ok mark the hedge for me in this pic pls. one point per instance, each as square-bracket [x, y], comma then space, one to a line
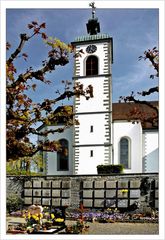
[108, 169]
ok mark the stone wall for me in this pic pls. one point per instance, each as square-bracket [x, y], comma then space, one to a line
[94, 191]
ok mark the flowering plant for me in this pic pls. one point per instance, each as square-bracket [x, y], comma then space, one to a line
[124, 190]
[33, 218]
[79, 227]
[53, 217]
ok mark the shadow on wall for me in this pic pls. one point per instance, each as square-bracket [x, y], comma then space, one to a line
[151, 162]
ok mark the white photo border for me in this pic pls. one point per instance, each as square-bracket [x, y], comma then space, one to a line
[80, 4]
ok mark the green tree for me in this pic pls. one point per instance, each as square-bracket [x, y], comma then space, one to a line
[22, 113]
[26, 165]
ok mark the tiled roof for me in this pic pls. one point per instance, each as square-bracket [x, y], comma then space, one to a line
[92, 37]
[121, 111]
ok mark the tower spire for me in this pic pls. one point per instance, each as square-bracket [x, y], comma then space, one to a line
[93, 26]
[92, 4]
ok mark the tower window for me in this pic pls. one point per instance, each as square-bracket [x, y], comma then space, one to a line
[91, 129]
[63, 156]
[125, 152]
[91, 153]
[91, 66]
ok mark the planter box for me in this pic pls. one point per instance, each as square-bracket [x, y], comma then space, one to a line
[109, 169]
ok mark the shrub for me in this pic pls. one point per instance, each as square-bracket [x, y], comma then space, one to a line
[108, 169]
[13, 202]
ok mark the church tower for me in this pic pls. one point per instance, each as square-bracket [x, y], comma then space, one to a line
[92, 137]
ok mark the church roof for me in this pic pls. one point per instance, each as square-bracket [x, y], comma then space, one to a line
[92, 37]
[134, 111]
[93, 29]
[93, 25]
[121, 112]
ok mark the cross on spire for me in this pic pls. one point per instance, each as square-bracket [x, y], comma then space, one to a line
[93, 26]
[92, 4]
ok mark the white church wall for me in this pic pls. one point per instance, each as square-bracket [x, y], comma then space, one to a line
[88, 163]
[100, 53]
[51, 157]
[134, 133]
[97, 136]
[97, 103]
[96, 112]
[150, 151]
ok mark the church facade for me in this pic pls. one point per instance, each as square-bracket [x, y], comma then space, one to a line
[104, 135]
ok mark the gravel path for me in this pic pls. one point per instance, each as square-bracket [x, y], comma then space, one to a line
[121, 228]
[112, 228]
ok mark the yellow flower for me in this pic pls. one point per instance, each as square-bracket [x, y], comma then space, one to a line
[34, 216]
[124, 190]
[56, 43]
[52, 216]
[59, 220]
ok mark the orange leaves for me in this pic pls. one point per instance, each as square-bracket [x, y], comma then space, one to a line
[20, 99]
[34, 24]
[10, 70]
[37, 28]
[20, 87]
[71, 47]
[79, 53]
[30, 26]
[68, 109]
[86, 92]
[89, 90]
[76, 122]
[144, 112]
[34, 87]
[153, 56]
[44, 36]
[50, 146]
[25, 56]
[43, 25]
[23, 115]
[8, 46]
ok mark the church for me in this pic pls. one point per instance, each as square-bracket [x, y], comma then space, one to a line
[105, 135]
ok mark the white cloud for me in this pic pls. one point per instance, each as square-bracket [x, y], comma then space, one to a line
[136, 80]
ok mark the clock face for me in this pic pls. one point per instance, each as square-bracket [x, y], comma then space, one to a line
[91, 49]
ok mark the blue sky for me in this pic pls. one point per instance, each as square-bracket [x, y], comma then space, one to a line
[133, 31]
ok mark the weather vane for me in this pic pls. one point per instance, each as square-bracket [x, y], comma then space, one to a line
[92, 4]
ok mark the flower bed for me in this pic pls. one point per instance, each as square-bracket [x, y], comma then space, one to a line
[39, 219]
[16, 213]
[113, 215]
[53, 220]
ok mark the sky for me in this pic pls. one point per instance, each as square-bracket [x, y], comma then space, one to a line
[133, 30]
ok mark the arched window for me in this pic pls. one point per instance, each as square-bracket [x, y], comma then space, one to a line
[125, 152]
[63, 156]
[91, 66]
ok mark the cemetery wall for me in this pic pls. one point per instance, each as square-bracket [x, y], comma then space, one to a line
[93, 191]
